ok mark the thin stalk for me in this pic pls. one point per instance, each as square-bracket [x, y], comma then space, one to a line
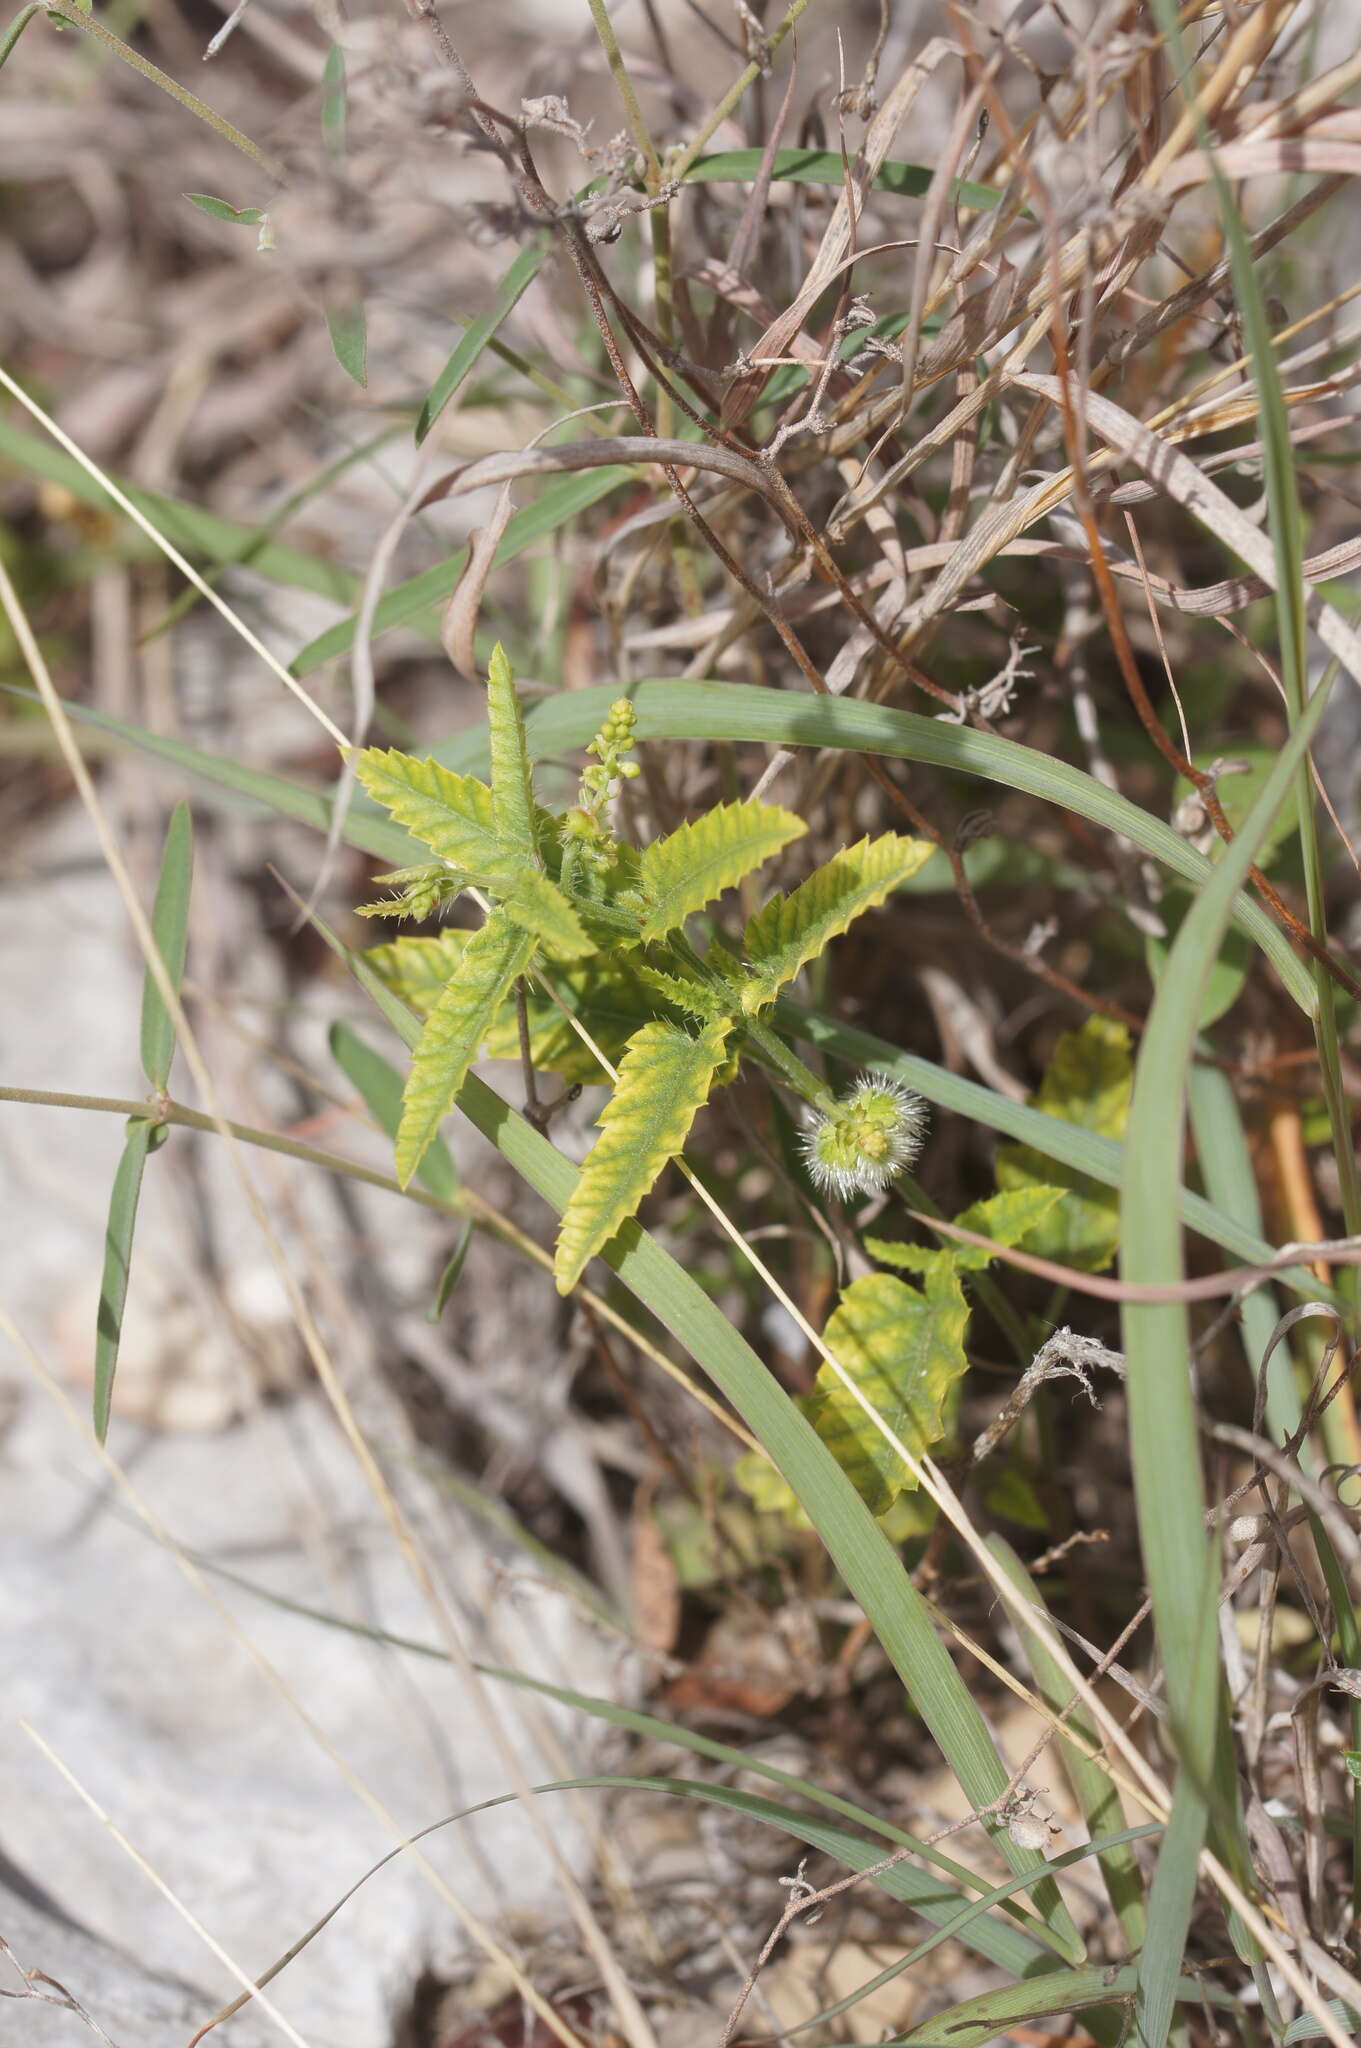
[678, 166]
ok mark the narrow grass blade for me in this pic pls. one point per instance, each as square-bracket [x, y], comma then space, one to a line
[826, 167]
[170, 929]
[113, 1287]
[991, 2017]
[509, 292]
[1173, 1891]
[1164, 1438]
[219, 209]
[1095, 1794]
[379, 1085]
[449, 1278]
[344, 308]
[554, 507]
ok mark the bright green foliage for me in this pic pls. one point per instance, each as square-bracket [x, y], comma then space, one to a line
[665, 1077]
[1006, 1218]
[539, 907]
[417, 969]
[904, 1349]
[453, 814]
[1088, 1082]
[794, 929]
[454, 1032]
[512, 798]
[687, 869]
[577, 906]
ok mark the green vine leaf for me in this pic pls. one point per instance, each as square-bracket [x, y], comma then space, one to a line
[539, 906]
[1007, 1219]
[665, 1077]
[904, 1348]
[455, 1028]
[453, 814]
[1088, 1082]
[512, 795]
[794, 929]
[678, 875]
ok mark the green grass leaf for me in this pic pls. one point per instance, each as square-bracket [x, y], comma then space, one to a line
[1173, 1891]
[349, 332]
[454, 1031]
[825, 167]
[244, 216]
[664, 1079]
[511, 794]
[904, 1349]
[794, 929]
[142, 1133]
[1006, 1218]
[170, 930]
[449, 1278]
[509, 291]
[379, 1085]
[454, 815]
[678, 875]
[555, 505]
[992, 2016]
[1088, 1082]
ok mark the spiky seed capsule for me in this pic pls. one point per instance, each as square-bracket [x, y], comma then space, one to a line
[867, 1139]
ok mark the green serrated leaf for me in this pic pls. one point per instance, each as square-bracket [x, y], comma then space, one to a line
[454, 1031]
[694, 997]
[240, 216]
[539, 906]
[512, 795]
[1088, 1083]
[904, 1349]
[1006, 1218]
[664, 1078]
[379, 1085]
[453, 814]
[113, 1286]
[170, 929]
[794, 929]
[678, 875]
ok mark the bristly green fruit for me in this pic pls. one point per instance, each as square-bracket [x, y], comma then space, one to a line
[597, 928]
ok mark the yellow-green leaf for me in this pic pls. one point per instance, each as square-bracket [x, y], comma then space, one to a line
[664, 1078]
[904, 1349]
[454, 1031]
[794, 929]
[1006, 1219]
[604, 993]
[678, 875]
[512, 797]
[1088, 1082]
[539, 906]
[418, 970]
[453, 814]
